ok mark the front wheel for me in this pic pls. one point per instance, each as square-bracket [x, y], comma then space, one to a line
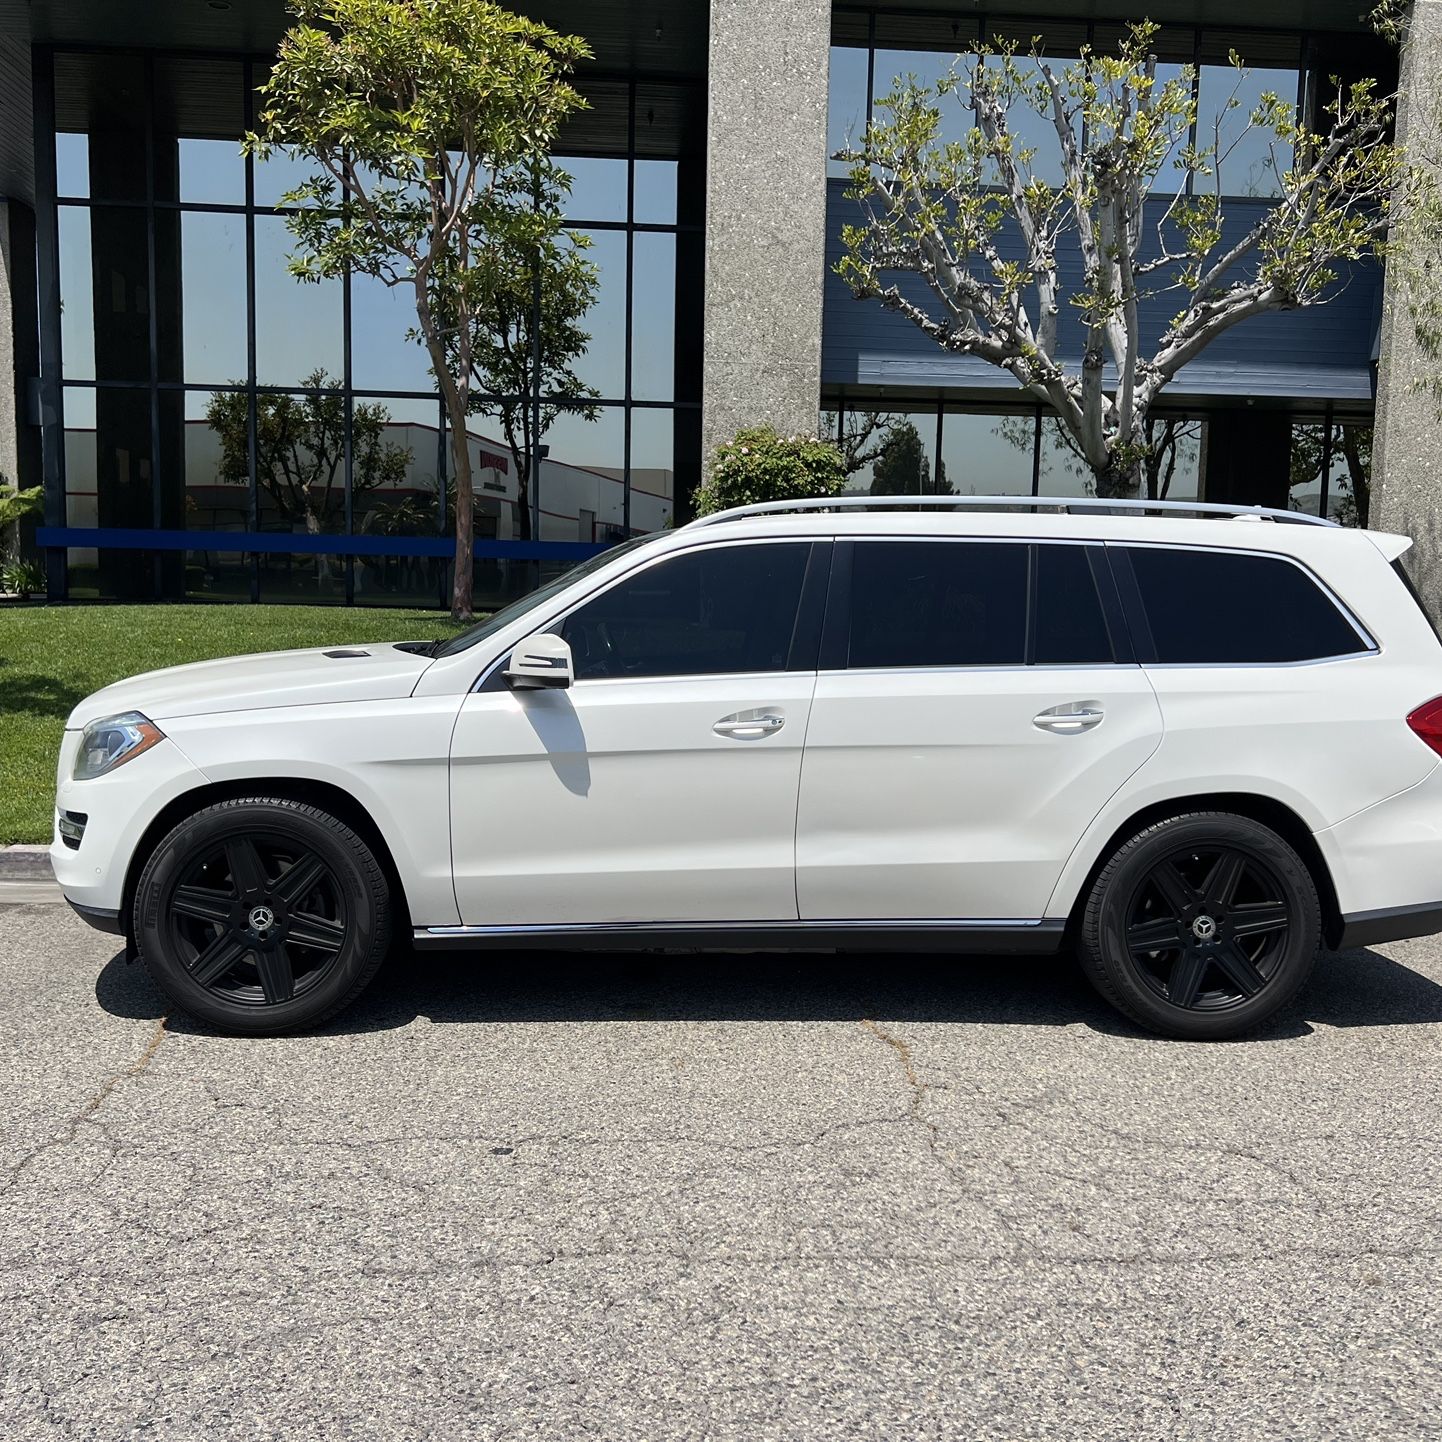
[262, 915]
[1201, 926]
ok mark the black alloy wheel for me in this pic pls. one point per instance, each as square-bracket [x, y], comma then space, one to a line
[1201, 926]
[259, 918]
[262, 915]
[1207, 926]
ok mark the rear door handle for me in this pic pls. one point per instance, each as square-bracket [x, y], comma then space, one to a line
[1070, 718]
[749, 725]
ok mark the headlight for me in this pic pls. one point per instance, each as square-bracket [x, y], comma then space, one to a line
[113, 741]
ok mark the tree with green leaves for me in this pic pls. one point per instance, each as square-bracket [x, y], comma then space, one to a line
[902, 467]
[426, 123]
[526, 333]
[948, 212]
[16, 504]
[17, 573]
[300, 449]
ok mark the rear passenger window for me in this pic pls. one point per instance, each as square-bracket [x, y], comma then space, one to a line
[1070, 627]
[938, 603]
[1218, 607]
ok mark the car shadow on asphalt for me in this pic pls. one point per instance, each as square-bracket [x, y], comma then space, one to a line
[1357, 988]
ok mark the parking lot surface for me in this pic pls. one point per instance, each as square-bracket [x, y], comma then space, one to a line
[744, 1197]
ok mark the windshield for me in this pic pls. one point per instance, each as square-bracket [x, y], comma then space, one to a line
[498, 620]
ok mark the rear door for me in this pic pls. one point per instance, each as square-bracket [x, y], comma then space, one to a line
[976, 708]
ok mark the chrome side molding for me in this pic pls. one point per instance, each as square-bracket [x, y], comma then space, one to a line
[1005, 935]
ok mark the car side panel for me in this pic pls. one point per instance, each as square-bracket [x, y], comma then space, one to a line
[1325, 739]
[391, 756]
[1389, 856]
[617, 801]
[932, 793]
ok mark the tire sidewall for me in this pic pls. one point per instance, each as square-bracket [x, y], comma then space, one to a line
[1106, 943]
[342, 851]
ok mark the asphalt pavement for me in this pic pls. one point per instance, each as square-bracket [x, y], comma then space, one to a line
[745, 1197]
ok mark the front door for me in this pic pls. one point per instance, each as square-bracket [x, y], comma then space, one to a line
[970, 726]
[662, 785]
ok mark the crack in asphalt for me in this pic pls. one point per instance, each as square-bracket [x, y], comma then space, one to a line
[903, 1052]
[74, 1123]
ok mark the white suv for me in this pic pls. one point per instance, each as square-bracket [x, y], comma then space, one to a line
[1195, 743]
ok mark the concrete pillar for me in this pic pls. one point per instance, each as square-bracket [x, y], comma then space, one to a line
[11, 395]
[1406, 481]
[765, 215]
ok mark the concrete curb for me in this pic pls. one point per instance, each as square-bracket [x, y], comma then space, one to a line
[25, 863]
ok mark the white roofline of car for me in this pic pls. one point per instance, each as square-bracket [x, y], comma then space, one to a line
[1065, 505]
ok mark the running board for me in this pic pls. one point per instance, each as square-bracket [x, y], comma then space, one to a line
[1036, 937]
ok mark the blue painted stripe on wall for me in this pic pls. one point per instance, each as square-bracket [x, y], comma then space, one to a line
[271, 542]
[1323, 353]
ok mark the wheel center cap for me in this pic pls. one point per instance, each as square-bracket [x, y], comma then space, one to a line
[262, 918]
[1204, 928]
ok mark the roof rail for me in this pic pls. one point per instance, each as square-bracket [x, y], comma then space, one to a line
[1065, 504]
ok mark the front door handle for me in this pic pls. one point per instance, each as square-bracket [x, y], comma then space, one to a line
[1071, 718]
[749, 725]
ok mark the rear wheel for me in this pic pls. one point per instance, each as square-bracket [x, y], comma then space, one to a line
[1201, 926]
[262, 915]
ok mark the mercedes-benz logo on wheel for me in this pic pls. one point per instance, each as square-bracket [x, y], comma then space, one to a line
[262, 918]
[1204, 928]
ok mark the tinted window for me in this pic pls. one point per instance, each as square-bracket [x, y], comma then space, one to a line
[732, 608]
[938, 603]
[1070, 626]
[1212, 606]
[499, 620]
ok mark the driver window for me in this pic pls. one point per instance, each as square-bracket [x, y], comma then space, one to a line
[721, 610]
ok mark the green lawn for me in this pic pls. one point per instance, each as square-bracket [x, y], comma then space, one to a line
[52, 657]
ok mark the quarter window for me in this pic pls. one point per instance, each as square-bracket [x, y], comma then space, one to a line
[1218, 607]
[723, 610]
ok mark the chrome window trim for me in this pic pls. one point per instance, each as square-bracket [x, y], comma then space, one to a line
[1008, 668]
[542, 928]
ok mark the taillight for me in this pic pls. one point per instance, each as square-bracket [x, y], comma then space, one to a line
[1426, 722]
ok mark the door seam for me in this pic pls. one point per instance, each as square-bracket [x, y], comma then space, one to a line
[796, 818]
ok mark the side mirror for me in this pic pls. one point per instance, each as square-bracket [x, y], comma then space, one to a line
[543, 660]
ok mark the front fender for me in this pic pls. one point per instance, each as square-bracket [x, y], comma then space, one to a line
[391, 756]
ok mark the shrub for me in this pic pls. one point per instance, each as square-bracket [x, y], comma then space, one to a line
[21, 577]
[760, 465]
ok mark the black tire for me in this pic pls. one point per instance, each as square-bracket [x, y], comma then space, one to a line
[1201, 926]
[262, 915]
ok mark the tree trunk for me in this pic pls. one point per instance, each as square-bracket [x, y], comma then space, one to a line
[523, 498]
[462, 590]
[1357, 473]
[1117, 482]
[322, 562]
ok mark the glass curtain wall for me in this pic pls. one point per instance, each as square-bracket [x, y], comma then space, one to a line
[948, 449]
[983, 446]
[207, 390]
[1331, 467]
[871, 50]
